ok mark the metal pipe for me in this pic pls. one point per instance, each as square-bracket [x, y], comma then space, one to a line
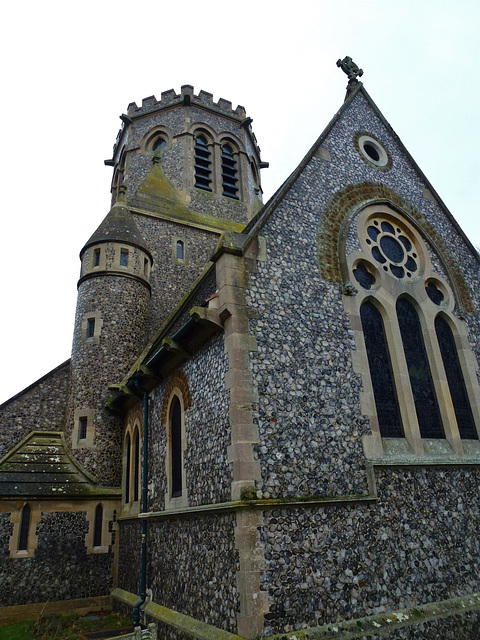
[143, 566]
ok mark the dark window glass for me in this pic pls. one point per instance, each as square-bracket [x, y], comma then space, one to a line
[398, 272]
[381, 372]
[455, 379]
[96, 258]
[363, 276]
[97, 526]
[127, 471]
[82, 427]
[124, 258]
[434, 293]
[377, 255]
[180, 250]
[410, 264]
[371, 151]
[136, 466]
[406, 243]
[159, 144]
[145, 267]
[229, 172]
[203, 163]
[373, 232]
[176, 447]
[90, 327]
[424, 396]
[24, 529]
[387, 227]
[392, 249]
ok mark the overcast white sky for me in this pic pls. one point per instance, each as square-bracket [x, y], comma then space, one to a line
[70, 69]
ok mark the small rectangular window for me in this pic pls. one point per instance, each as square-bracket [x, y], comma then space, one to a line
[82, 427]
[96, 258]
[90, 327]
[145, 267]
[180, 250]
[124, 258]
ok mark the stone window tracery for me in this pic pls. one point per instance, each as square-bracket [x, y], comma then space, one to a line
[417, 384]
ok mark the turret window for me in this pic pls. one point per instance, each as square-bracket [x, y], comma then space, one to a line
[180, 250]
[124, 258]
[96, 257]
[82, 427]
[90, 327]
[229, 172]
[203, 164]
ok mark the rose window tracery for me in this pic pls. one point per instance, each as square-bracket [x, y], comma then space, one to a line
[392, 249]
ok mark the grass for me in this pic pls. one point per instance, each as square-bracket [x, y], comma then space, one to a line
[70, 627]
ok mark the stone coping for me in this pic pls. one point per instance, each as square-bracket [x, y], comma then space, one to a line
[384, 623]
[185, 624]
[264, 505]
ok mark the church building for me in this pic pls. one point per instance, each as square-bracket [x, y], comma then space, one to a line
[269, 424]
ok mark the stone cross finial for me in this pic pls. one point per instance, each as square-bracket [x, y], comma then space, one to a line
[349, 67]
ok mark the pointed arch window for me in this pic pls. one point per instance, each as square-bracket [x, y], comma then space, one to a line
[24, 529]
[381, 372]
[404, 311]
[136, 466]
[176, 447]
[455, 379]
[203, 163]
[127, 468]
[424, 396]
[229, 172]
[97, 526]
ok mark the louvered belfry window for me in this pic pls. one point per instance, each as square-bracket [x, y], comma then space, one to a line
[229, 172]
[203, 164]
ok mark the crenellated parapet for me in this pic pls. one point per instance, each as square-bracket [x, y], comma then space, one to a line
[186, 97]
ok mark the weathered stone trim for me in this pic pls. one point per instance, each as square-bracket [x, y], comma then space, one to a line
[185, 624]
[201, 221]
[260, 505]
[113, 272]
[384, 623]
[232, 281]
[78, 606]
[341, 209]
[179, 381]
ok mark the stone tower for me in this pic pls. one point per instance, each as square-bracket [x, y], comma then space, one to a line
[186, 169]
[191, 169]
[110, 328]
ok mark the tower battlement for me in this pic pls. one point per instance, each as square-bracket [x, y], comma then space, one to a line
[186, 97]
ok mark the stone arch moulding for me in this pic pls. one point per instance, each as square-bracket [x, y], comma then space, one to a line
[225, 137]
[336, 220]
[178, 381]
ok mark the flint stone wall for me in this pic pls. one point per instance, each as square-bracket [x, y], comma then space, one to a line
[61, 568]
[417, 545]
[40, 407]
[207, 432]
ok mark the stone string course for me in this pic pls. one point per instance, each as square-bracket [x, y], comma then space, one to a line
[61, 568]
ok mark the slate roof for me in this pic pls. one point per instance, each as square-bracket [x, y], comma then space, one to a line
[41, 465]
[118, 226]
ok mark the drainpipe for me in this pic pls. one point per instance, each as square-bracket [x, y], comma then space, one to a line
[143, 566]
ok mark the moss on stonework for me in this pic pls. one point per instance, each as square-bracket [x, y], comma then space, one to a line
[157, 195]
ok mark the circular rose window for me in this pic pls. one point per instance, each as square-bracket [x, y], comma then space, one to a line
[392, 248]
